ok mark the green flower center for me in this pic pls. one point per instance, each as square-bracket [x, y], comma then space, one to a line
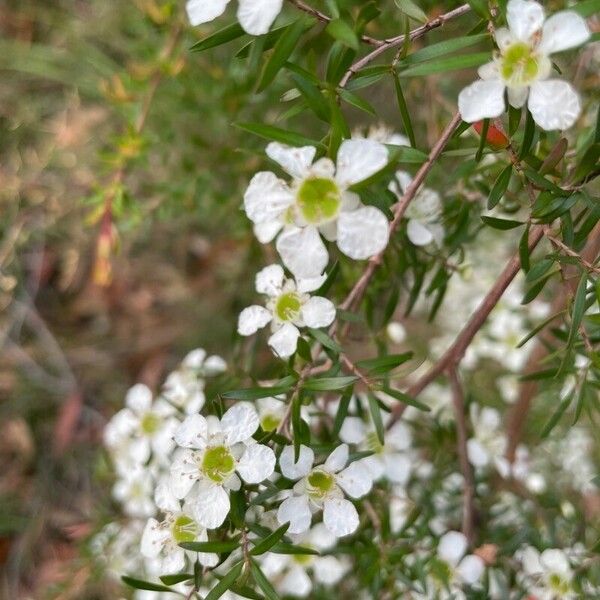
[150, 423]
[320, 483]
[318, 200]
[558, 584]
[184, 529]
[519, 64]
[288, 306]
[270, 422]
[218, 463]
[303, 559]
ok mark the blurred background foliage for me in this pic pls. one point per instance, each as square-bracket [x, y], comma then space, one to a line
[102, 102]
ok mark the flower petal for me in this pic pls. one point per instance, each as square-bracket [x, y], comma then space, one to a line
[257, 16]
[302, 251]
[252, 319]
[397, 467]
[563, 30]
[489, 70]
[192, 433]
[481, 100]
[266, 197]
[337, 460]
[266, 232]
[257, 463]
[295, 470]
[139, 398]
[517, 96]
[295, 582]
[270, 280]
[310, 284]
[471, 569]
[554, 104]
[296, 511]
[340, 516]
[355, 480]
[358, 159]
[362, 233]
[524, 18]
[204, 11]
[174, 561]
[353, 430]
[153, 539]
[398, 437]
[285, 340]
[318, 312]
[452, 547]
[478, 455]
[418, 234]
[184, 473]
[239, 422]
[164, 497]
[294, 161]
[211, 505]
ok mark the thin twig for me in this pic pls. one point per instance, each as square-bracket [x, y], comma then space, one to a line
[458, 401]
[313, 12]
[588, 266]
[357, 292]
[399, 40]
[456, 351]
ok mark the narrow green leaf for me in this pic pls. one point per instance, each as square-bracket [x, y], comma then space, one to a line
[268, 542]
[281, 52]
[404, 112]
[312, 96]
[225, 583]
[514, 119]
[588, 163]
[538, 328]
[277, 134]
[482, 140]
[227, 34]
[555, 418]
[406, 399]
[216, 547]
[527, 135]
[339, 30]
[262, 581]
[587, 8]
[177, 578]
[502, 224]
[500, 186]
[442, 49]
[342, 411]
[325, 384]
[139, 584]
[324, 340]
[376, 417]
[524, 255]
[578, 309]
[292, 549]
[383, 364]
[412, 10]
[250, 394]
[555, 155]
[481, 8]
[449, 63]
[356, 101]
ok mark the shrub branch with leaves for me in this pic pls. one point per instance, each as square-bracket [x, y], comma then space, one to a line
[366, 454]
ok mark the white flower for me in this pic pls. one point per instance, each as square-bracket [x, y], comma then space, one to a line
[161, 540]
[322, 487]
[488, 443]
[396, 332]
[548, 575]
[184, 387]
[318, 201]
[289, 307]
[459, 569]
[523, 68]
[390, 459]
[255, 16]
[134, 491]
[147, 426]
[423, 213]
[213, 451]
[290, 572]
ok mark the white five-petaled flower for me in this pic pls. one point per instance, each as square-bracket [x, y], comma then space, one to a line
[161, 540]
[423, 213]
[547, 575]
[323, 487]
[318, 201]
[255, 16]
[289, 307]
[143, 427]
[523, 68]
[459, 569]
[213, 454]
[289, 573]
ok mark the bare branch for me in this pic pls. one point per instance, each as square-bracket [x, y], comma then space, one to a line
[458, 402]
